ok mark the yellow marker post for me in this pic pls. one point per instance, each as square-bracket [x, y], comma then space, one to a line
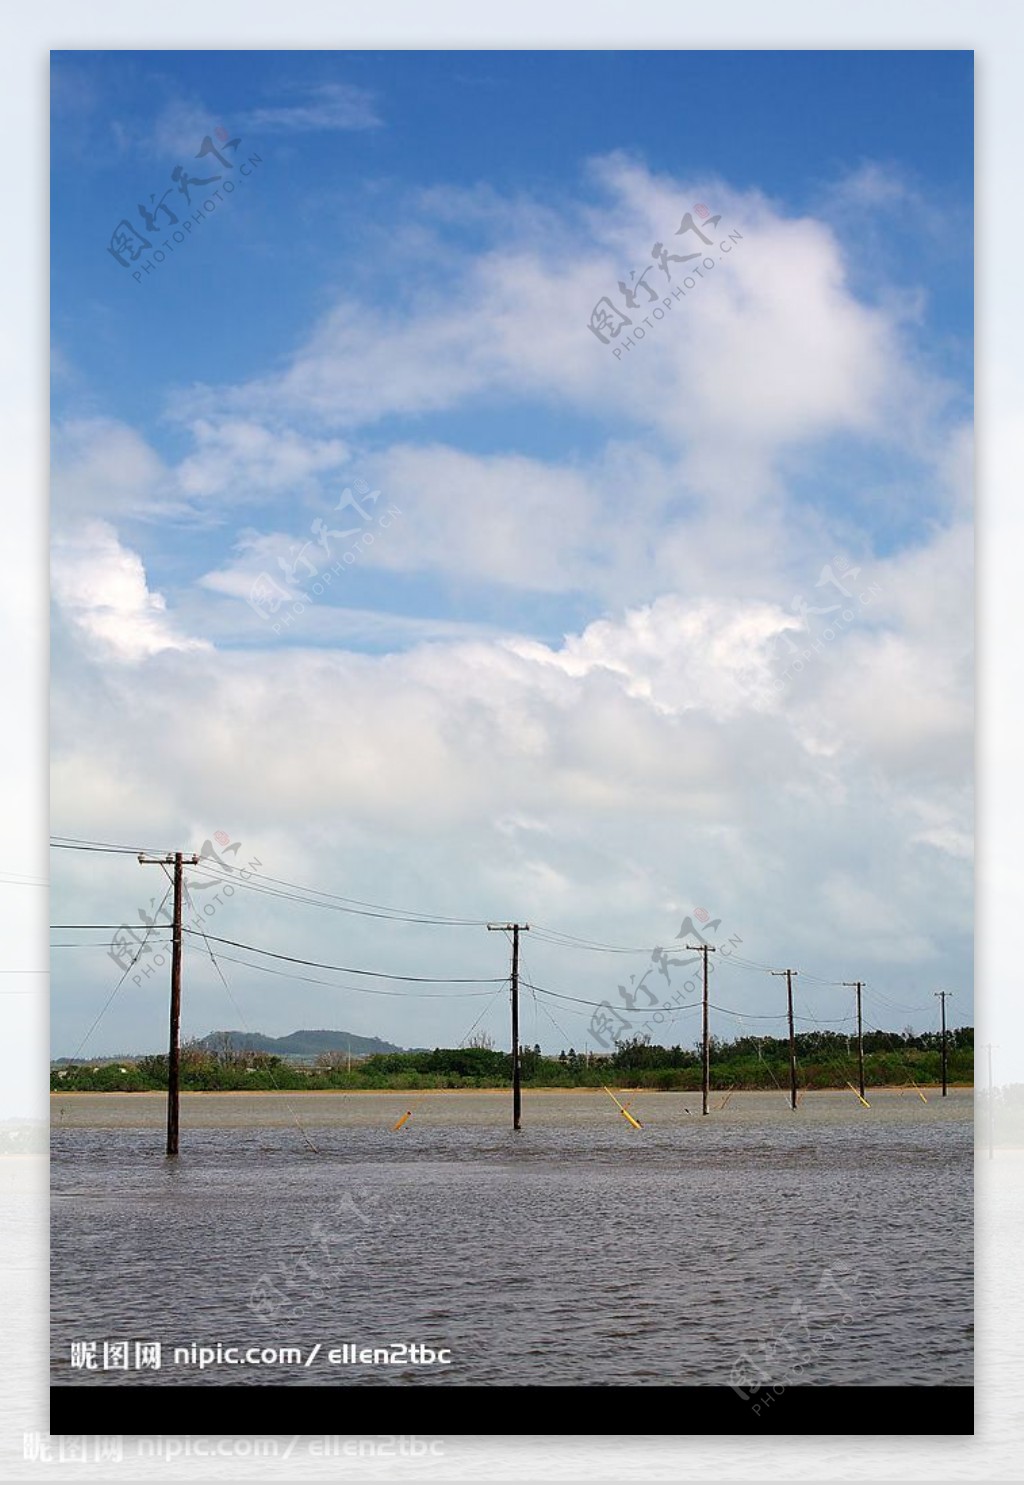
[623, 1111]
[405, 1116]
[861, 1100]
[918, 1091]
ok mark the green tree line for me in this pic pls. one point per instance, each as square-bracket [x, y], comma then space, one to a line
[825, 1059]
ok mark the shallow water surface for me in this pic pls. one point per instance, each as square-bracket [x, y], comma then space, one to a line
[828, 1246]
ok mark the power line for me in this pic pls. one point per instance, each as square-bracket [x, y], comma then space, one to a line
[645, 1010]
[71, 843]
[110, 998]
[743, 963]
[309, 895]
[316, 897]
[359, 989]
[486, 1011]
[894, 1005]
[241, 1015]
[348, 969]
[569, 941]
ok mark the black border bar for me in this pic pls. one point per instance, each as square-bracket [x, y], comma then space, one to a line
[433, 1410]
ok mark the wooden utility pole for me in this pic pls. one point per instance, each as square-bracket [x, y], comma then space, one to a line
[174, 1048]
[942, 996]
[860, 1035]
[789, 973]
[705, 1085]
[517, 1089]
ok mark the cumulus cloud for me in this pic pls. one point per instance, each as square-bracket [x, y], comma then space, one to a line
[666, 699]
[663, 750]
[639, 747]
[101, 586]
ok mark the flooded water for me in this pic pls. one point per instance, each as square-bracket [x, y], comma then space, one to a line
[830, 1246]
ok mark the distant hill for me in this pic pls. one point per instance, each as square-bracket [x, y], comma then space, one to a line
[297, 1043]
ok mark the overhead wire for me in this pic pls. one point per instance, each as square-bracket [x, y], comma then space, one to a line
[316, 897]
[74, 843]
[347, 969]
[356, 989]
[245, 1027]
[110, 998]
[268, 885]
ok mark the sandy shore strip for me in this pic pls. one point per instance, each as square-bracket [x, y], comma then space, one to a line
[548, 1107]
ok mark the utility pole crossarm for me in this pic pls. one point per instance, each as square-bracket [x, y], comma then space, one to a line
[169, 860]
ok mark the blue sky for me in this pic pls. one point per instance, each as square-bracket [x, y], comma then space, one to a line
[560, 680]
[789, 124]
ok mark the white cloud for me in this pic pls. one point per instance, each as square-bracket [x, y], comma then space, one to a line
[657, 710]
[679, 655]
[106, 469]
[326, 106]
[771, 351]
[648, 762]
[101, 586]
[182, 123]
[102, 467]
[177, 132]
[503, 518]
[420, 779]
[770, 356]
[237, 459]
